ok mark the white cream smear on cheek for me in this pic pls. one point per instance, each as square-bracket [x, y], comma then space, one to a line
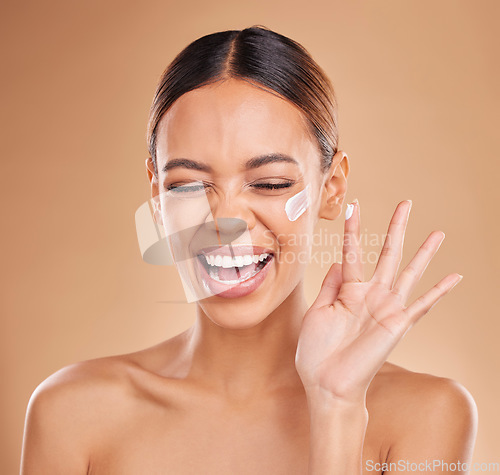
[297, 204]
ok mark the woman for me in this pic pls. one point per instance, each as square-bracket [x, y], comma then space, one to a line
[243, 161]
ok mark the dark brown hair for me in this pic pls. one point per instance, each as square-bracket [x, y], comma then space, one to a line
[259, 55]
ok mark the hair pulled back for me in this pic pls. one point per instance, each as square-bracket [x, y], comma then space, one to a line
[263, 57]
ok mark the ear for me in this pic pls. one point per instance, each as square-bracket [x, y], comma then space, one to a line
[334, 187]
[153, 179]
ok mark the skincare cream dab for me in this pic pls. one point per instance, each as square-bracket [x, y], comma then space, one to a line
[297, 204]
[348, 211]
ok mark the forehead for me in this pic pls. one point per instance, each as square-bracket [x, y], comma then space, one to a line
[232, 120]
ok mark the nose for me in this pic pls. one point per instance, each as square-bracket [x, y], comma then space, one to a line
[231, 217]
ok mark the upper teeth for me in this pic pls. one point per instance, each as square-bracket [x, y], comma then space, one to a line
[236, 261]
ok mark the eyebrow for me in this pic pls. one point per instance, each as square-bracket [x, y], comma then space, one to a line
[256, 162]
[252, 163]
[185, 163]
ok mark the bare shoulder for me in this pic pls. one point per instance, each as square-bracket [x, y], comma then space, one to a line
[406, 391]
[80, 390]
[69, 412]
[82, 379]
[97, 388]
[419, 409]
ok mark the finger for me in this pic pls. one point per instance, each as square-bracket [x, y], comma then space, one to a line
[352, 265]
[392, 250]
[412, 273]
[330, 286]
[424, 303]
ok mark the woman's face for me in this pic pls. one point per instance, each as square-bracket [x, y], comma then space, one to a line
[221, 132]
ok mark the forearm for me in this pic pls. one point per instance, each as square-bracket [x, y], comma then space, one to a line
[337, 433]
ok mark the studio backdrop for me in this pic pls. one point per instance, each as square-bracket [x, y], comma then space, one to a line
[418, 97]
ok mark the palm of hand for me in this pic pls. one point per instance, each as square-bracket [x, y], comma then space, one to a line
[353, 325]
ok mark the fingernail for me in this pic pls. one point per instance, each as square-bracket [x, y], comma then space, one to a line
[348, 211]
[461, 277]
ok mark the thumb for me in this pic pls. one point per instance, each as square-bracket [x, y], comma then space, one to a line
[330, 286]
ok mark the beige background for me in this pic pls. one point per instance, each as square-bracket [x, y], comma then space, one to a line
[417, 85]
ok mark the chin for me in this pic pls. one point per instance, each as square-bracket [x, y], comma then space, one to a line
[234, 315]
[246, 312]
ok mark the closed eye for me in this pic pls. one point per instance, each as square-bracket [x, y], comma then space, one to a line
[272, 186]
[197, 187]
[186, 188]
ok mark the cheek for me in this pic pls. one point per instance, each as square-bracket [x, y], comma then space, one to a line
[291, 239]
[180, 213]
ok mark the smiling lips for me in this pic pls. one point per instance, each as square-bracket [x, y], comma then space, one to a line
[233, 265]
[236, 261]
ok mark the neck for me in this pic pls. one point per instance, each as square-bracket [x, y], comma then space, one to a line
[241, 363]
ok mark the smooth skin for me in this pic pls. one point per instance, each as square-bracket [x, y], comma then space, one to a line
[263, 384]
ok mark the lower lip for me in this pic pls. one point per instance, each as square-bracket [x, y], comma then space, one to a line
[233, 291]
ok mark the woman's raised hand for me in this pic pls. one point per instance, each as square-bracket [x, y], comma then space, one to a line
[353, 325]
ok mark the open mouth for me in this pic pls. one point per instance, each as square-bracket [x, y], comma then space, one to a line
[234, 269]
